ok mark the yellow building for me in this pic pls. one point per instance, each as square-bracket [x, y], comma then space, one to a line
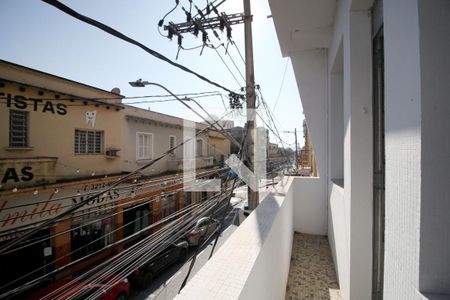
[59, 143]
[307, 159]
[54, 128]
[62, 142]
[219, 146]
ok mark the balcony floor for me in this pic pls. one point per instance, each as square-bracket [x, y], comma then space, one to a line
[311, 273]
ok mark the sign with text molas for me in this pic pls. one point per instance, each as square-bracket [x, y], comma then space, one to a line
[18, 211]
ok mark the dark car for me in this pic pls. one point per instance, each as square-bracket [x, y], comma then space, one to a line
[144, 275]
[204, 228]
[229, 174]
[79, 290]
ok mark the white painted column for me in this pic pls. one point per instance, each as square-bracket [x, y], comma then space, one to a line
[434, 21]
[310, 68]
[358, 187]
[403, 143]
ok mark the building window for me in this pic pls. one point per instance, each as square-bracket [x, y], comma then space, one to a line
[18, 128]
[172, 141]
[91, 237]
[88, 141]
[169, 205]
[144, 145]
[136, 218]
[199, 148]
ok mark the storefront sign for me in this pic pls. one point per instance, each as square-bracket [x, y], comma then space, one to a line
[21, 102]
[19, 210]
[17, 175]
[28, 209]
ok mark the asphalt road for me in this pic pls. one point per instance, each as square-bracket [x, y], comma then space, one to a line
[167, 285]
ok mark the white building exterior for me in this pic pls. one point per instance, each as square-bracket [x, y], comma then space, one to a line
[148, 135]
[342, 70]
[374, 79]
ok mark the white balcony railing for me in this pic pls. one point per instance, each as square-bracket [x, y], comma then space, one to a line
[176, 163]
[254, 262]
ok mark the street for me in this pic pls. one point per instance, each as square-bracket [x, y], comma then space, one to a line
[167, 285]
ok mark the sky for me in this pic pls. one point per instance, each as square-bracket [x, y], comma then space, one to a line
[39, 36]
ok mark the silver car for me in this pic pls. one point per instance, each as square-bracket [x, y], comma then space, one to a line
[204, 228]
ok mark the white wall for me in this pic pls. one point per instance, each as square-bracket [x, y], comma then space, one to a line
[310, 206]
[269, 275]
[254, 262]
[358, 158]
[310, 68]
[350, 208]
[338, 236]
[417, 243]
[403, 154]
[434, 20]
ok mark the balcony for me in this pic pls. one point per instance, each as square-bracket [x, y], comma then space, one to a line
[175, 163]
[266, 257]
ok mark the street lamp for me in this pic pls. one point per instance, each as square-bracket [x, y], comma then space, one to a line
[213, 124]
[139, 83]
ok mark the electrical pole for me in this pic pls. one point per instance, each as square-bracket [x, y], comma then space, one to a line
[296, 152]
[222, 21]
[296, 148]
[253, 197]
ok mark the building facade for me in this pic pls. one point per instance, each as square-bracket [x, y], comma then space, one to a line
[148, 135]
[219, 147]
[63, 142]
[49, 123]
[373, 78]
[307, 161]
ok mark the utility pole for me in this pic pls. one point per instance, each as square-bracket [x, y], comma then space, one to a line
[296, 151]
[296, 148]
[253, 196]
[222, 21]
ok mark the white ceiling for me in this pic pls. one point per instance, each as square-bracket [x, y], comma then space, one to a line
[303, 24]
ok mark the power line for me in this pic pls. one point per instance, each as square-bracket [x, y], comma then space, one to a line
[121, 36]
[281, 86]
[241, 153]
[36, 280]
[139, 202]
[232, 60]
[237, 48]
[228, 68]
[72, 99]
[132, 258]
[80, 204]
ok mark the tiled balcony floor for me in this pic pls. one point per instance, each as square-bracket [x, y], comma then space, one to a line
[311, 273]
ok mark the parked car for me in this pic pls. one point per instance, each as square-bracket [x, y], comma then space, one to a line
[229, 174]
[204, 228]
[144, 275]
[79, 290]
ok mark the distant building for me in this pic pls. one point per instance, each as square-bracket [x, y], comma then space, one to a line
[307, 160]
[149, 135]
[219, 147]
[239, 133]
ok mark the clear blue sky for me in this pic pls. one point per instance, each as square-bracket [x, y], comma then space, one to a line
[39, 36]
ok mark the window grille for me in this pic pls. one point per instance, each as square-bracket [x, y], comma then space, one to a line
[88, 142]
[18, 128]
